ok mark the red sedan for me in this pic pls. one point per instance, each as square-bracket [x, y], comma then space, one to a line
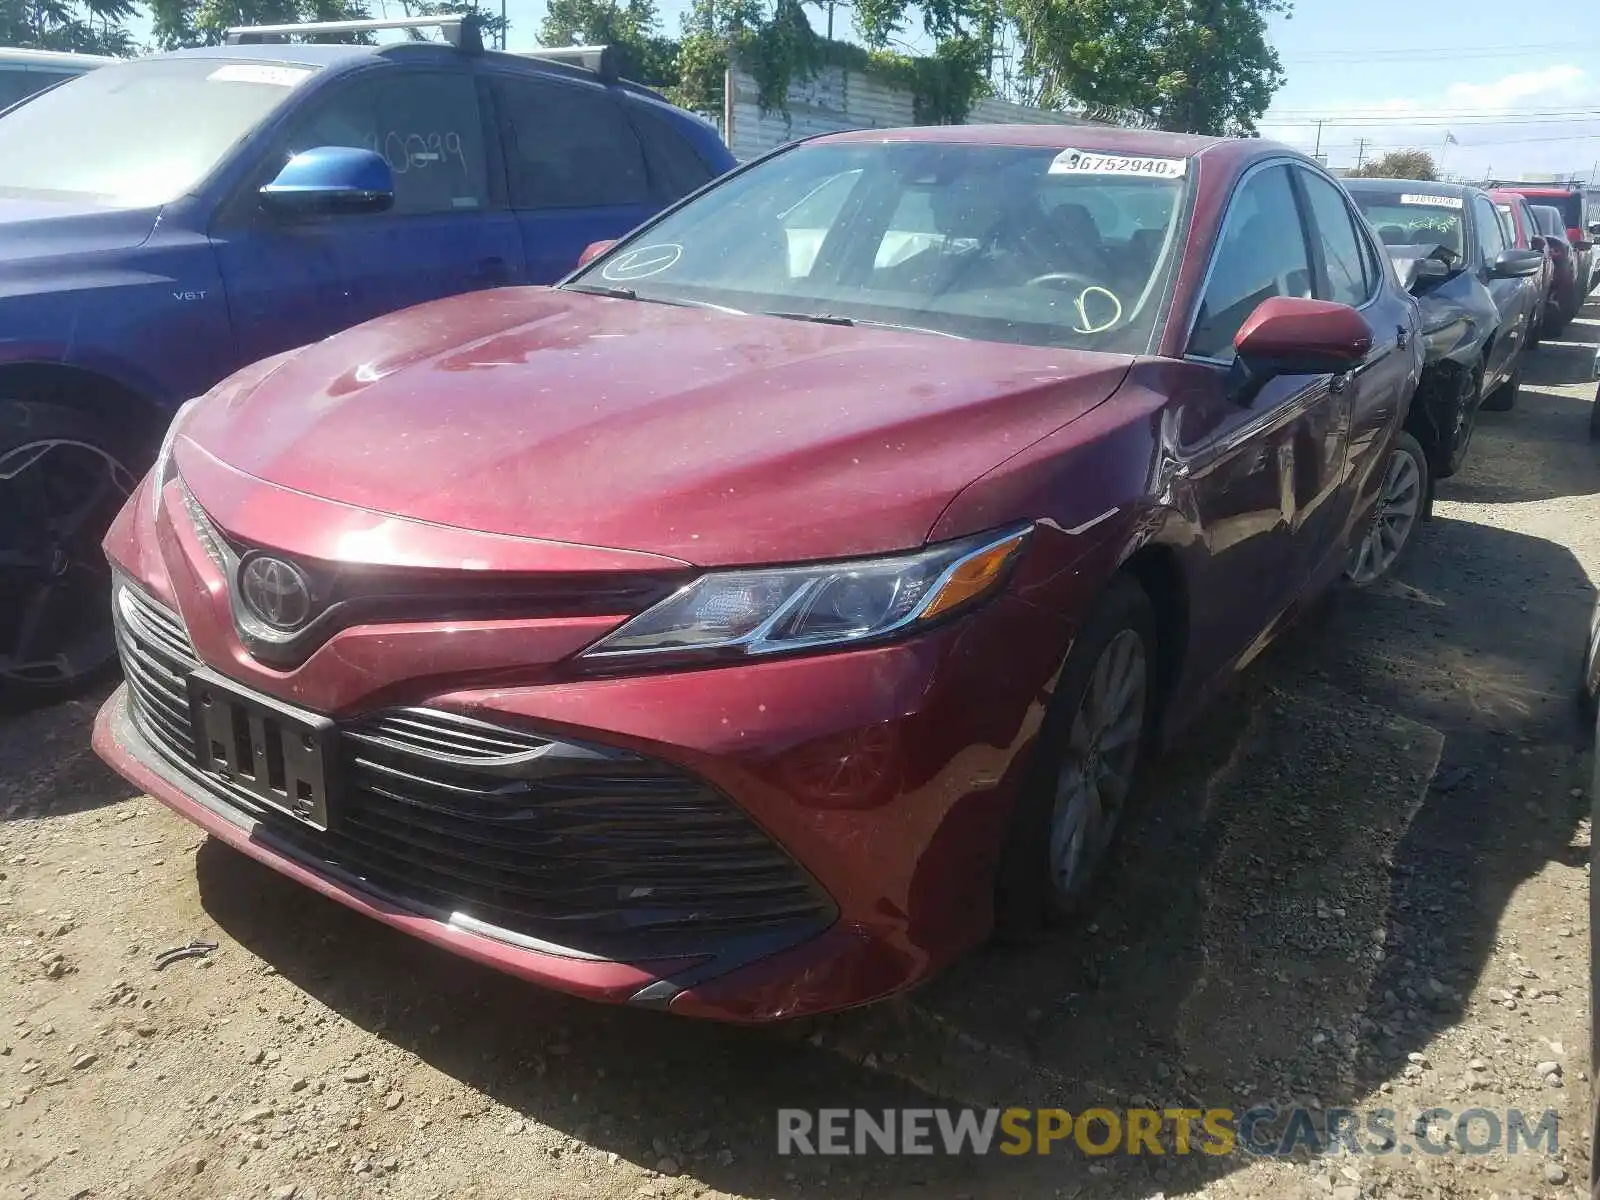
[746, 625]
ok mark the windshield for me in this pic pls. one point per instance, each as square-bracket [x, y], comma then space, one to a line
[1414, 219]
[1003, 243]
[137, 134]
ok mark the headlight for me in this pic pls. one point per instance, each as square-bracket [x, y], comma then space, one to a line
[161, 474]
[746, 614]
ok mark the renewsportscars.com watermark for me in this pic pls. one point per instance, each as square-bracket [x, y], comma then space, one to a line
[1262, 1131]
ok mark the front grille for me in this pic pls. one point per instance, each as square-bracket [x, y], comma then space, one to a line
[588, 847]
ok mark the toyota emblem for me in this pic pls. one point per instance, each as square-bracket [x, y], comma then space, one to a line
[275, 592]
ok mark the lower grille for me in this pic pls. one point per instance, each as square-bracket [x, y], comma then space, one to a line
[587, 847]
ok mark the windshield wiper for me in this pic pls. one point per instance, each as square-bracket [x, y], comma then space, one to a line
[620, 293]
[834, 319]
[596, 289]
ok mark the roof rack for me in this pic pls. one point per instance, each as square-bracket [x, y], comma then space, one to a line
[602, 60]
[463, 31]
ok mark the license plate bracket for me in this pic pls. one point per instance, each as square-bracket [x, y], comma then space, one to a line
[280, 755]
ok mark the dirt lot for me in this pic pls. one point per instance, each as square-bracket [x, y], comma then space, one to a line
[1365, 886]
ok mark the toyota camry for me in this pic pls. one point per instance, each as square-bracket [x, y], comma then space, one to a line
[755, 621]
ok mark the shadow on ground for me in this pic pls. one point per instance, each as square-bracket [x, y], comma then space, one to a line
[46, 766]
[1526, 454]
[1275, 929]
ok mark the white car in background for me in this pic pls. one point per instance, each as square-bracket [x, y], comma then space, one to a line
[24, 72]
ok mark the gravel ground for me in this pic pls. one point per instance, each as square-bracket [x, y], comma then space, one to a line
[1363, 885]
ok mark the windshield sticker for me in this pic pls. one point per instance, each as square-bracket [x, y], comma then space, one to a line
[1085, 162]
[1432, 201]
[643, 262]
[258, 73]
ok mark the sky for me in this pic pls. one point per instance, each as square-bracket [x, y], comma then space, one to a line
[1484, 93]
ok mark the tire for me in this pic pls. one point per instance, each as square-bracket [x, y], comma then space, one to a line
[1384, 542]
[1556, 316]
[1594, 417]
[1455, 455]
[1035, 888]
[64, 475]
[1504, 397]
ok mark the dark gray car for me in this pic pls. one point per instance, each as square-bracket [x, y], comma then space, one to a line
[1479, 297]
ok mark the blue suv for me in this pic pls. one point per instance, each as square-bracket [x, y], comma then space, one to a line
[166, 221]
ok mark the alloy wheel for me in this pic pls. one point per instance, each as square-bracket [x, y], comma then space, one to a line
[58, 497]
[1102, 754]
[1399, 505]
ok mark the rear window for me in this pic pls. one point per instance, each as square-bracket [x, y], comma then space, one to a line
[1548, 219]
[676, 165]
[1568, 204]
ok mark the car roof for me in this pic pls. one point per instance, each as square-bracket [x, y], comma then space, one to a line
[1459, 190]
[324, 55]
[1540, 189]
[17, 54]
[1103, 138]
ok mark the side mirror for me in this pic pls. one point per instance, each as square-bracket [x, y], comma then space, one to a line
[1537, 242]
[594, 250]
[331, 180]
[1287, 335]
[1516, 264]
[1416, 273]
[1594, 228]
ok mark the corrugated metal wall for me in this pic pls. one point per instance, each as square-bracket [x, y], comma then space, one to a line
[840, 99]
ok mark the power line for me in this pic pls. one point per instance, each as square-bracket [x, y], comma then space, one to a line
[1466, 110]
[1400, 54]
[1431, 119]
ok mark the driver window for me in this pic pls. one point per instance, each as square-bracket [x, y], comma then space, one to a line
[1491, 237]
[427, 126]
[1261, 253]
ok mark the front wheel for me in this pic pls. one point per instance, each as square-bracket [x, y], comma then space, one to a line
[1087, 760]
[63, 478]
[1401, 499]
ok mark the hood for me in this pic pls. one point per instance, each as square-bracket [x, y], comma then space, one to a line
[704, 436]
[32, 229]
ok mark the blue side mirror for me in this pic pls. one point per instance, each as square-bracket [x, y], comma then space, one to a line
[329, 180]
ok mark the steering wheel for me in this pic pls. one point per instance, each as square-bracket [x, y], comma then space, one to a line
[1089, 287]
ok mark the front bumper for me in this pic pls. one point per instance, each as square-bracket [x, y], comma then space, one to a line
[884, 775]
[867, 792]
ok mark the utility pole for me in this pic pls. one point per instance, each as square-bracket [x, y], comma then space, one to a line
[1361, 152]
[1317, 153]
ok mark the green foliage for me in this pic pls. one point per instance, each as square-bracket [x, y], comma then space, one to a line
[632, 27]
[87, 27]
[781, 49]
[1401, 164]
[1196, 66]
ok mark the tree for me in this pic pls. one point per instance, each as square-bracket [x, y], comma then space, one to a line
[632, 26]
[87, 27]
[175, 23]
[1193, 66]
[1401, 164]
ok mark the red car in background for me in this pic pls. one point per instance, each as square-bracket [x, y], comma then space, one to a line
[1522, 231]
[1565, 293]
[746, 625]
[1578, 224]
